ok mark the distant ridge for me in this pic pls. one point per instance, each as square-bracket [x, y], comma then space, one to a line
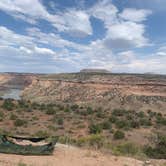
[94, 71]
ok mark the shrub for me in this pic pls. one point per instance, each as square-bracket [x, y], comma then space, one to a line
[107, 125]
[113, 119]
[74, 107]
[1, 114]
[20, 122]
[161, 120]
[50, 111]
[35, 105]
[60, 121]
[95, 128]
[13, 117]
[35, 118]
[126, 149]
[100, 114]
[50, 127]
[118, 112]
[42, 133]
[67, 109]
[66, 140]
[145, 122]
[122, 124]
[89, 110]
[159, 151]
[8, 104]
[134, 124]
[94, 140]
[119, 135]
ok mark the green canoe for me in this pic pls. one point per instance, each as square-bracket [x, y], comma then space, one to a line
[10, 147]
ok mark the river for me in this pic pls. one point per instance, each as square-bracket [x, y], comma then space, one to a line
[12, 94]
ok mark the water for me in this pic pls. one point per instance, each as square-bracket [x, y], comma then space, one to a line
[12, 94]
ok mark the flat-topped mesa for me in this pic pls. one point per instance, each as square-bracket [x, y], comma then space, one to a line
[94, 71]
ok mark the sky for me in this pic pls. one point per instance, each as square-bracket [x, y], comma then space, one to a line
[55, 36]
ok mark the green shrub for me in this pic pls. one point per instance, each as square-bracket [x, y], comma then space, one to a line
[119, 135]
[2, 114]
[126, 149]
[66, 140]
[67, 109]
[60, 121]
[113, 119]
[89, 110]
[42, 133]
[159, 151]
[107, 125]
[145, 122]
[118, 112]
[53, 128]
[8, 105]
[122, 124]
[19, 122]
[74, 107]
[50, 111]
[13, 116]
[94, 140]
[161, 120]
[100, 114]
[35, 118]
[95, 128]
[134, 124]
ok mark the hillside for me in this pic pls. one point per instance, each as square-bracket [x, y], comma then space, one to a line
[130, 91]
[121, 114]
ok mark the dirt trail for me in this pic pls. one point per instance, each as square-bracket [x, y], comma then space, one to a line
[71, 156]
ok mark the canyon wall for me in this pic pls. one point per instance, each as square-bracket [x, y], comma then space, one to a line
[106, 90]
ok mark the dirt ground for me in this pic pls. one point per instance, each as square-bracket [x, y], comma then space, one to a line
[65, 155]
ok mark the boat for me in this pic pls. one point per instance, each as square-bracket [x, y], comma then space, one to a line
[26, 146]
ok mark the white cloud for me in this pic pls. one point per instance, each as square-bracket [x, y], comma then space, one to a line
[8, 37]
[135, 15]
[105, 11]
[46, 51]
[156, 5]
[124, 30]
[125, 35]
[74, 22]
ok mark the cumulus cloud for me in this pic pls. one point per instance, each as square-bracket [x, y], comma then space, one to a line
[135, 15]
[125, 35]
[124, 30]
[105, 11]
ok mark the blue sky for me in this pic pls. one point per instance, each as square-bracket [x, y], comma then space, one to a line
[52, 36]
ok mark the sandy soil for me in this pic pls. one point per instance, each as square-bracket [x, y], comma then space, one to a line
[71, 156]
